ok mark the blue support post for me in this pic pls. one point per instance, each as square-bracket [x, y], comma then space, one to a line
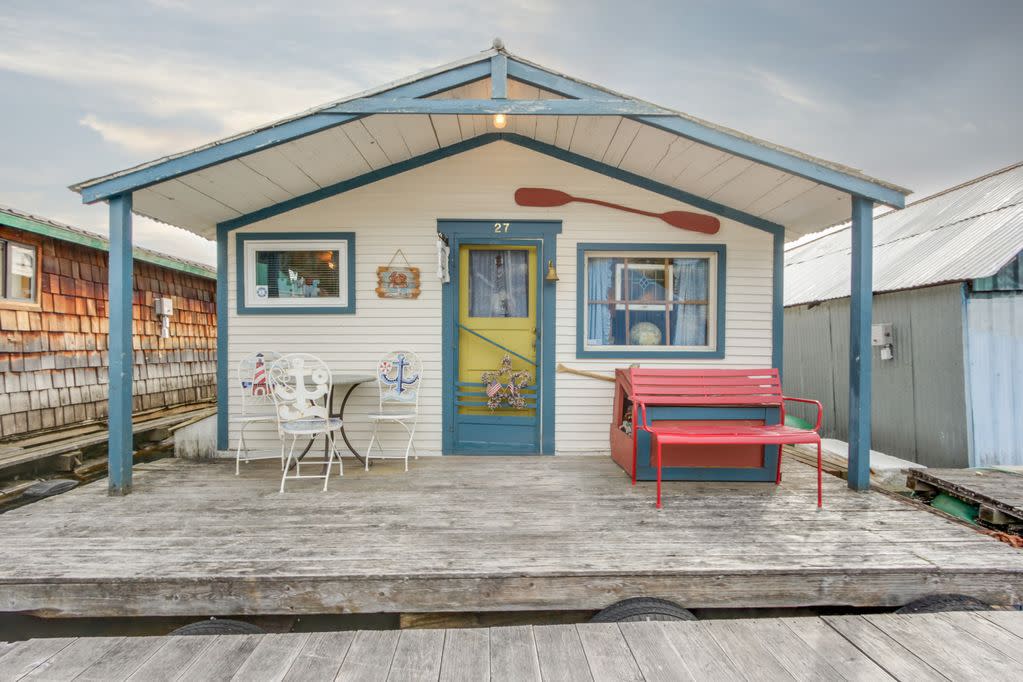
[222, 359]
[860, 355]
[120, 351]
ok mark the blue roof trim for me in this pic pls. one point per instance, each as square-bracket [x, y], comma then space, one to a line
[498, 76]
[271, 137]
[521, 107]
[528, 143]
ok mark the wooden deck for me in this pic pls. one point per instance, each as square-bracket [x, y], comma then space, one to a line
[955, 646]
[478, 534]
[998, 494]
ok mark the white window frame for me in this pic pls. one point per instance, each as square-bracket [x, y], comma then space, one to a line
[712, 301]
[8, 273]
[254, 245]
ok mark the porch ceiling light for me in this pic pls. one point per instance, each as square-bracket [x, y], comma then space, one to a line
[500, 121]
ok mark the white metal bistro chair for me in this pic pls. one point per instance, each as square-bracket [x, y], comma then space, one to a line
[400, 379]
[301, 387]
[257, 404]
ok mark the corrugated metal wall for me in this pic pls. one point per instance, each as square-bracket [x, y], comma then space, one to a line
[994, 341]
[919, 406]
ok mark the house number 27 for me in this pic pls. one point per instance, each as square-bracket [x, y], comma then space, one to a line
[501, 227]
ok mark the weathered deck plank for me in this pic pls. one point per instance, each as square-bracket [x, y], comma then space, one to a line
[841, 647]
[478, 534]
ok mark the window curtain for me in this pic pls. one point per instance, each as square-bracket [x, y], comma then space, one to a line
[499, 284]
[692, 285]
[599, 274]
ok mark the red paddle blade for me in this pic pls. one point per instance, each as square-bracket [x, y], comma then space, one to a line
[540, 197]
[694, 222]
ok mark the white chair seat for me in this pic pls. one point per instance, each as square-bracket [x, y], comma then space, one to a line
[251, 418]
[310, 426]
[391, 416]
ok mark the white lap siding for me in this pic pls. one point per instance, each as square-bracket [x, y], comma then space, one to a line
[402, 212]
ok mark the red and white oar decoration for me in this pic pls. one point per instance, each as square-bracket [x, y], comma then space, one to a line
[540, 197]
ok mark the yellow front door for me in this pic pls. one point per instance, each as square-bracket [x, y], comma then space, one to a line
[497, 339]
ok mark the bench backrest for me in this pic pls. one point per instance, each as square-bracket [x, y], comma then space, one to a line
[696, 387]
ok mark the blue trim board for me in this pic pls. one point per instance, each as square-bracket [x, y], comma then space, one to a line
[517, 107]
[119, 435]
[527, 232]
[528, 143]
[860, 351]
[778, 304]
[498, 76]
[580, 335]
[223, 328]
[272, 136]
[645, 470]
[244, 309]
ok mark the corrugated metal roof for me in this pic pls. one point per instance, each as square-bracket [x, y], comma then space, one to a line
[966, 232]
[21, 220]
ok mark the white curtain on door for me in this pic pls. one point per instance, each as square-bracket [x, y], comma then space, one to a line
[498, 283]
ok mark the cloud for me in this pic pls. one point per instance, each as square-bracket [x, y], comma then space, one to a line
[787, 89]
[152, 140]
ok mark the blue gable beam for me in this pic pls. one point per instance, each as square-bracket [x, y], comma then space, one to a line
[271, 137]
[523, 107]
[498, 76]
[528, 143]
[719, 139]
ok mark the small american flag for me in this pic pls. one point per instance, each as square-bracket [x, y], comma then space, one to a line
[493, 388]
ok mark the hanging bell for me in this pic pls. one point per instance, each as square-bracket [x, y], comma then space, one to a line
[552, 274]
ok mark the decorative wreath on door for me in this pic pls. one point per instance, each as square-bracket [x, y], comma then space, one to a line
[504, 386]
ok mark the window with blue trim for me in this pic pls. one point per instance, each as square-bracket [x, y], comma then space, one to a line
[649, 301]
[296, 273]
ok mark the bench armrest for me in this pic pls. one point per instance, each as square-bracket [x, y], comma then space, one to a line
[640, 408]
[820, 409]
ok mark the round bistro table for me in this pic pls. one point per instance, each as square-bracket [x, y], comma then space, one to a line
[347, 383]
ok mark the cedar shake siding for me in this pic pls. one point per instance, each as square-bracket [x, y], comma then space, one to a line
[53, 353]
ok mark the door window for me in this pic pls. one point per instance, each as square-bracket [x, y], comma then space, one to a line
[498, 283]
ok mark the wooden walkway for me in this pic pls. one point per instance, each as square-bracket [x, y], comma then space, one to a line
[472, 534]
[948, 646]
[998, 494]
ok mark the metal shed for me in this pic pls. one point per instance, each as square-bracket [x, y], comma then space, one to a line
[947, 279]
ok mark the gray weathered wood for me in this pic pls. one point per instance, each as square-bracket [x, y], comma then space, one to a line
[997, 489]
[369, 656]
[272, 658]
[1009, 620]
[176, 654]
[417, 656]
[560, 653]
[466, 656]
[655, 655]
[513, 654]
[753, 658]
[889, 654]
[703, 656]
[27, 656]
[222, 658]
[608, 653]
[848, 661]
[559, 533]
[951, 651]
[1010, 645]
[320, 657]
[72, 660]
[122, 659]
[801, 661]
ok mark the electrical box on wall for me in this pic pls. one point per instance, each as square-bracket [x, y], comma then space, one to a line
[881, 334]
[164, 306]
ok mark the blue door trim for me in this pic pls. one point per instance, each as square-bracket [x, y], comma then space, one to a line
[545, 234]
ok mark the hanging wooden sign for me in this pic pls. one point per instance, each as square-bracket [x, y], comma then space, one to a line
[398, 281]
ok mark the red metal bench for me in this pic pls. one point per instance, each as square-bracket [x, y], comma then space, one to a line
[718, 388]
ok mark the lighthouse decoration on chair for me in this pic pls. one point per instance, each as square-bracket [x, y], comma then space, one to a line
[399, 376]
[259, 385]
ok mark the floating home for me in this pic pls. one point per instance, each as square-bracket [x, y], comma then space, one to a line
[948, 319]
[489, 182]
[470, 214]
[54, 324]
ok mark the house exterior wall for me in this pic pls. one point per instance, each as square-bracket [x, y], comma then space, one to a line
[919, 397]
[402, 212]
[53, 355]
[994, 353]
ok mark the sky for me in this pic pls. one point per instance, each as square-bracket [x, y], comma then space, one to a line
[925, 94]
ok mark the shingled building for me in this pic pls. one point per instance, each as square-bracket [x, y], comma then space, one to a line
[54, 327]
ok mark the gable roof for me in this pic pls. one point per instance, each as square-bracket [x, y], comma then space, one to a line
[21, 220]
[962, 233]
[368, 132]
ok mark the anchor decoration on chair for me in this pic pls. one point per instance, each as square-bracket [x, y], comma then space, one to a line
[394, 374]
[299, 396]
